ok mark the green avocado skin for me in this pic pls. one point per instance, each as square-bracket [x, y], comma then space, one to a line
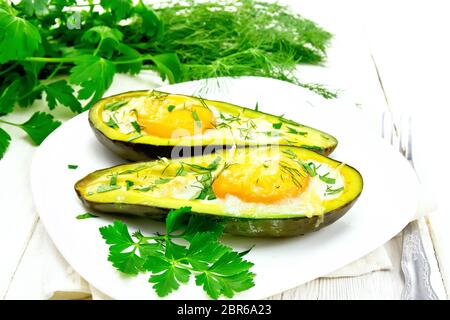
[238, 226]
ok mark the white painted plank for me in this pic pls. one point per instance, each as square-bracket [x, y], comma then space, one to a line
[18, 215]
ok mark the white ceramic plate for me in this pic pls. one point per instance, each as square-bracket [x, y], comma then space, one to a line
[387, 203]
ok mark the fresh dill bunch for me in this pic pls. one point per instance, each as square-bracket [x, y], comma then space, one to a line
[241, 38]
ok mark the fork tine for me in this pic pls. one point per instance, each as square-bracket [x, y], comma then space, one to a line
[383, 125]
[401, 136]
[392, 128]
[409, 155]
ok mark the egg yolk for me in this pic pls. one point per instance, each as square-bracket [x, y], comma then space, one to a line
[260, 184]
[178, 123]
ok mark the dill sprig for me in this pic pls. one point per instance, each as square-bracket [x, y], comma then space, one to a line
[241, 38]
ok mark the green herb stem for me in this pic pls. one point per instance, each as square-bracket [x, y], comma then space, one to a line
[9, 123]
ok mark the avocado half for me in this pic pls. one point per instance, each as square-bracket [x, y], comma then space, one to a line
[152, 188]
[141, 146]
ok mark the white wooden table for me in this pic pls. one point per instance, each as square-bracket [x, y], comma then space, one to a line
[376, 35]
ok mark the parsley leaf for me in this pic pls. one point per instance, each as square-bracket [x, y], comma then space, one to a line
[119, 238]
[18, 37]
[37, 7]
[72, 166]
[39, 126]
[60, 91]
[105, 38]
[229, 274]
[169, 66]
[177, 219]
[5, 139]
[119, 8]
[94, 74]
[168, 281]
[8, 97]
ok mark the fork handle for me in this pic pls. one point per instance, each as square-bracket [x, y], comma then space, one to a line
[415, 266]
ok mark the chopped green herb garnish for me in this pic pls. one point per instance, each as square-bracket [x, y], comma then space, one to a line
[72, 166]
[137, 169]
[207, 192]
[181, 171]
[277, 125]
[287, 121]
[312, 148]
[170, 108]
[202, 101]
[326, 179]
[272, 133]
[257, 107]
[290, 153]
[294, 173]
[331, 191]
[197, 120]
[86, 216]
[162, 180]
[113, 181]
[129, 184]
[106, 187]
[145, 188]
[111, 123]
[294, 131]
[225, 123]
[136, 126]
[114, 106]
[211, 167]
[310, 168]
[135, 112]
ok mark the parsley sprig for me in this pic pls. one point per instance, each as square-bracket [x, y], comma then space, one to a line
[38, 127]
[190, 247]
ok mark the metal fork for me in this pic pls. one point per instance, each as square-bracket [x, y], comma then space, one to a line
[414, 263]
